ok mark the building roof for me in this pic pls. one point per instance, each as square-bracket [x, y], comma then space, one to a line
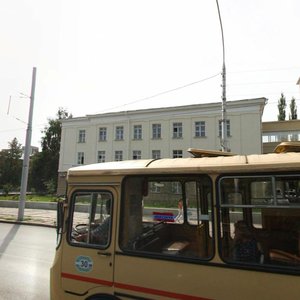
[279, 126]
[207, 108]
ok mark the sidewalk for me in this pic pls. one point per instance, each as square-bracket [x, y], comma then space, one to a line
[41, 217]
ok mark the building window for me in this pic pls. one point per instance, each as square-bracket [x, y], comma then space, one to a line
[119, 133]
[156, 154]
[118, 155]
[270, 137]
[101, 156]
[176, 189]
[200, 129]
[177, 130]
[227, 128]
[137, 132]
[177, 153]
[156, 131]
[136, 154]
[102, 134]
[81, 136]
[80, 158]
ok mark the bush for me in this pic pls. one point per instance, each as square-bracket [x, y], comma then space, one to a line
[50, 186]
[7, 188]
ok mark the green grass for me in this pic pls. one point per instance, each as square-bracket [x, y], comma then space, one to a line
[33, 198]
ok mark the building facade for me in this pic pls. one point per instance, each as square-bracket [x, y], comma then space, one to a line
[275, 132]
[159, 133]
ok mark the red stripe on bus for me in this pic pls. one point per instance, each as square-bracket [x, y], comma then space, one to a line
[86, 279]
[156, 292]
[134, 288]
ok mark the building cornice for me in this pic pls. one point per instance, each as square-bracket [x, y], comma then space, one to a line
[206, 108]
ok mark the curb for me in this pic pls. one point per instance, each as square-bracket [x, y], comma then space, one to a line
[40, 217]
[29, 204]
[26, 223]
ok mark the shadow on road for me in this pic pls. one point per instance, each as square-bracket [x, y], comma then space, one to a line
[8, 238]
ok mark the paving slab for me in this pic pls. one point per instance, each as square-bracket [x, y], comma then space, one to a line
[41, 217]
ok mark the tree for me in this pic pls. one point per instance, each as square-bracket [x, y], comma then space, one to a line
[293, 109]
[281, 108]
[44, 168]
[11, 165]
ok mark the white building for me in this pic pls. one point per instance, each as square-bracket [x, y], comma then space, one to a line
[159, 133]
[275, 132]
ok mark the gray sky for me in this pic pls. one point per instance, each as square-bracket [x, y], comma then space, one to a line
[96, 56]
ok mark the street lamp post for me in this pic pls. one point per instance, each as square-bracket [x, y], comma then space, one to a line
[25, 167]
[224, 145]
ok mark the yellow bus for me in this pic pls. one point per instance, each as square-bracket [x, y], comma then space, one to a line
[213, 226]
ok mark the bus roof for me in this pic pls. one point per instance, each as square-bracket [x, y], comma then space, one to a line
[221, 164]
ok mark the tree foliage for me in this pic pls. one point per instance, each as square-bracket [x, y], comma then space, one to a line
[11, 165]
[281, 108]
[44, 165]
[293, 109]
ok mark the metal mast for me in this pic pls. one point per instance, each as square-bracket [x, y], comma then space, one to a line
[224, 143]
[25, 168]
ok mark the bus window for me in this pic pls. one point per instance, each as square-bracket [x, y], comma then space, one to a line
[198, 203]
[168, 216]
[91, 219]
[260, 220]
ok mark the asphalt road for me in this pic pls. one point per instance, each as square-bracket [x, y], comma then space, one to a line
[26, 255]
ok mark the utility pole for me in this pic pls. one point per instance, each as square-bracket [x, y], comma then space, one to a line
[25, 168]
[224, 144]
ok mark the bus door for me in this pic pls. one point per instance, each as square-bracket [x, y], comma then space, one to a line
[88, 252]
[165, 222]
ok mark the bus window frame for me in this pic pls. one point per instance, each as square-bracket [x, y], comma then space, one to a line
[87, 245]
[219, 206]
[171, 178]
[60, 222]
[273, 178]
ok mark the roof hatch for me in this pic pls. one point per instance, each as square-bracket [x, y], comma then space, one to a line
[208, 153]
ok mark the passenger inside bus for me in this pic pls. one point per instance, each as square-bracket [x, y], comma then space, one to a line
[179, 217]
[99, 233]
[246, 248]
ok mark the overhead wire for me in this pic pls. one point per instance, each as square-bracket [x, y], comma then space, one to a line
[208, 78]
[164, 92]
